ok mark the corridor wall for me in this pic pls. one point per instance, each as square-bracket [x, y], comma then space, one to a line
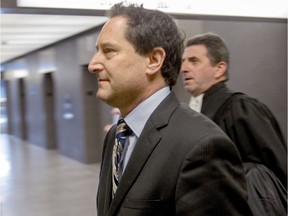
[258, 51]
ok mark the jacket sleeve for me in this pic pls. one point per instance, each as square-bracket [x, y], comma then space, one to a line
[212, 180]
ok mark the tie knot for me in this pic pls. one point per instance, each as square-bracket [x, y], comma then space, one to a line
[123, 129]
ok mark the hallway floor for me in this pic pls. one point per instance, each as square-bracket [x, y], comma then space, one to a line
[40, 182]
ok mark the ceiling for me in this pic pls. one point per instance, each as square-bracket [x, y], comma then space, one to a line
[27, 28]
[23, 33]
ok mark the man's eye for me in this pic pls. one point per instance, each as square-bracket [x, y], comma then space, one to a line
[108, 51]
[193, 60]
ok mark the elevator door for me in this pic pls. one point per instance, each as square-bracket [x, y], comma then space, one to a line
[22, 109]
[49, 108]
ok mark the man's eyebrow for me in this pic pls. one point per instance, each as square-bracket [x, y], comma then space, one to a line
[106, 44]
[193, 58]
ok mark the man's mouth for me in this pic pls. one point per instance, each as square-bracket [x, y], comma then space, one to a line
[188, 78]
[102, 80]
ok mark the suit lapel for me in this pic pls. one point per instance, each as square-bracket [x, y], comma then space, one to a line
[105, 184]
[146, 143]
[140, 155]
[108, 188]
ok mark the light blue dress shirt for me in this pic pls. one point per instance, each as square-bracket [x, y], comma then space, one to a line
[137, 119]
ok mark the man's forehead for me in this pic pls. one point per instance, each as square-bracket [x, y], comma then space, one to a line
[112, 31]
[117, 21]
[195, 49]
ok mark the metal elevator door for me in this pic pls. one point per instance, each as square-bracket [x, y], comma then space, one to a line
[49, 108]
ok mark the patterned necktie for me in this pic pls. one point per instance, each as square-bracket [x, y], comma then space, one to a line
[122, 132]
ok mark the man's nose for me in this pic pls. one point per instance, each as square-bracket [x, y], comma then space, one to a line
[95, 65]
[183, 68]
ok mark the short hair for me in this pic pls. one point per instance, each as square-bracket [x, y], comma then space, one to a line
[147, 29]
[217, 50]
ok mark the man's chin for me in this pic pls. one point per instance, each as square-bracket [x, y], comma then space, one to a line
[100, 95]
[103, 97]
[187, 88]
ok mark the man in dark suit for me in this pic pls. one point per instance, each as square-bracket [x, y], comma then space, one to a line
[247, 121]
[166, 158]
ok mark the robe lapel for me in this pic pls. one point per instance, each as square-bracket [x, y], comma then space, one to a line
[214, 98]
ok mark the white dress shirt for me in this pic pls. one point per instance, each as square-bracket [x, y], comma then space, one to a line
[137, 119]
[196, 102]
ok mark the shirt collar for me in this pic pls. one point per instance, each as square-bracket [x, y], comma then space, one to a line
[138, 117]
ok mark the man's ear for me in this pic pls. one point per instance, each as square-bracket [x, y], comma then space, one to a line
[221, 69]
[156, 59]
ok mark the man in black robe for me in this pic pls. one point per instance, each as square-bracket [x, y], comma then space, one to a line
[247, 121]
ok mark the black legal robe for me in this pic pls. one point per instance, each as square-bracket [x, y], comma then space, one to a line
[252, 127]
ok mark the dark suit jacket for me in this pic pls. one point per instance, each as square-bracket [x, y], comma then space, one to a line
[182, 164]
[251, 126]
